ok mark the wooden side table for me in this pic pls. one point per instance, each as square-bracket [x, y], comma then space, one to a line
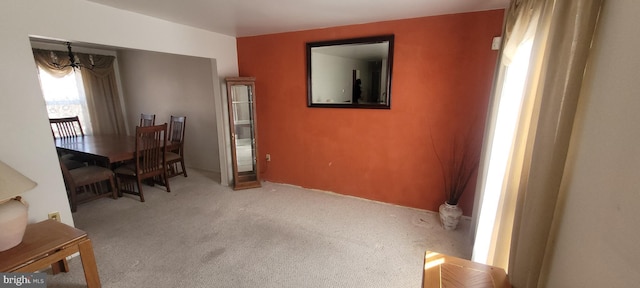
[49, 243]
[451, 272]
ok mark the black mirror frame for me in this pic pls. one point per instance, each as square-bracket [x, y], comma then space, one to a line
[362, 40]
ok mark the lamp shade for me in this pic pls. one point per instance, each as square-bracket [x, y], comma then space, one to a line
[12, 182]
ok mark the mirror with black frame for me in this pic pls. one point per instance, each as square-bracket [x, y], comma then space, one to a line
[350, 73]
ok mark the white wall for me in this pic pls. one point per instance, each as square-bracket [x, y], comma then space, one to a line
[27, 144]
[598, 239]
[168, 84]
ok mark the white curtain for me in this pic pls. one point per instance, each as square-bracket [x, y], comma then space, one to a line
[555, 37]
[65, 98]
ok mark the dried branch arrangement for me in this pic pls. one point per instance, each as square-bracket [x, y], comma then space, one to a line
[457, 168]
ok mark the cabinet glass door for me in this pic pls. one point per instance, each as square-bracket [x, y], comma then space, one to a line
[243, 132]
[243, 122]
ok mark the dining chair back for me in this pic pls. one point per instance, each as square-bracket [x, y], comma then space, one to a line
[66, 127]
[175, 153]
[149, 161]
[89, 180]
[147, 120]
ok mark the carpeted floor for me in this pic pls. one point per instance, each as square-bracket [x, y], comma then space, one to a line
[206, 235]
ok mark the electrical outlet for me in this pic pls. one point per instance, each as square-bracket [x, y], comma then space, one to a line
[55, 216]
[268, 157]
[495, 44]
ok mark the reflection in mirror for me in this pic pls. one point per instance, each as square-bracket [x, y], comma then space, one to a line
[350, 73]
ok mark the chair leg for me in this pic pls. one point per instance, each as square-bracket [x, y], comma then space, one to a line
[114, 189]
[74, 200]
[140, 189]
[165, 175]
[119, 185]
[184, 170]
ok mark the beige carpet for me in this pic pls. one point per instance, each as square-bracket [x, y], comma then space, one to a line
[205, 235]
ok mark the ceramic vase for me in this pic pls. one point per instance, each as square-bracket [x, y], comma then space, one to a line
[450, 216]
[13, 222]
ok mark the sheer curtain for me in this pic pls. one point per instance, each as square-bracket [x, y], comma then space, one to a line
[62, 93]
[102, 97]
[64, 97]
[554, 37]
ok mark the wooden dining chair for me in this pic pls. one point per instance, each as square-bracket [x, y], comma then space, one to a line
[147, 120]
[175, 153]
[66, 127]
[149, 161]
[89, 180]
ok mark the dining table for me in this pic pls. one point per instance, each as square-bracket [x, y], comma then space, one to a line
[109, 148]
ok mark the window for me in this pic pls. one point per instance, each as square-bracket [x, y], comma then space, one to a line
[65, 97]
[508, 115]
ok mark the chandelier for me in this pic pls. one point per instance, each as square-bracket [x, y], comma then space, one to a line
[74, 61]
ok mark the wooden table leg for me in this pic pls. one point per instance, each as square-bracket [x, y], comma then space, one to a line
[89, 264]
[60, 266]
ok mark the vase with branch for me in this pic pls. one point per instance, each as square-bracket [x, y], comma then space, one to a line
[459, 165]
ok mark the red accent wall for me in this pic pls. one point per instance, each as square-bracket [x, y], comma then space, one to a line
[442, 76]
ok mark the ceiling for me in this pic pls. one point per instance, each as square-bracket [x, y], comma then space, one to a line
[240, 18]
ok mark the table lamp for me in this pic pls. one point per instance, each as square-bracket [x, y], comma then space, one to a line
[13, 211]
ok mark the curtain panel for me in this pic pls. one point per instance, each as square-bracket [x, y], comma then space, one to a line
[561, 50]
[562, 32]
[103, 99]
